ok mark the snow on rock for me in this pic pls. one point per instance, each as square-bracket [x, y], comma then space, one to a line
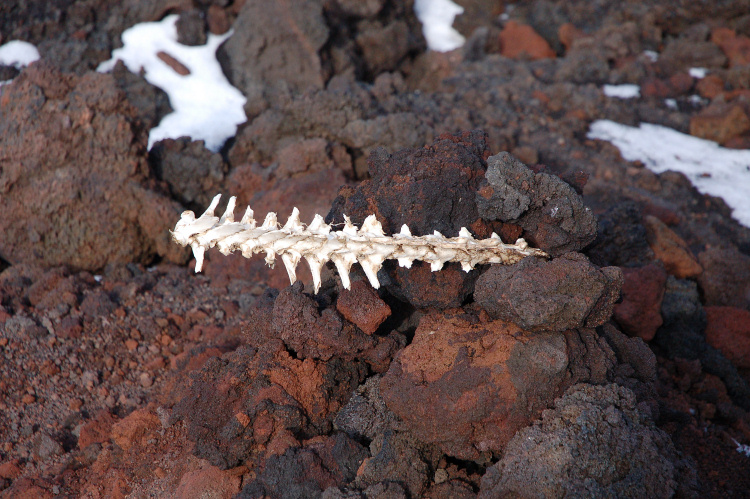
[437, 18]
[712, 169]
[206, 107]
[18, 54]
[624, 91]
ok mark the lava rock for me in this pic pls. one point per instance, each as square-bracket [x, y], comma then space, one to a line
[565, 293]
[60, 206]
[639, 312]
[429, 189]
[467, 387]
[273, 43]
[594, 443]
[549, 210]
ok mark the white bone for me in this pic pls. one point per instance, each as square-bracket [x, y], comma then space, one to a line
[318, 244]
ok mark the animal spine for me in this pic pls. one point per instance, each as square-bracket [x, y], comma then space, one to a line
[318, 244]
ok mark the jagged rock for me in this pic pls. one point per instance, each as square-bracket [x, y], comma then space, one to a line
[594, 443]
[549, 210]
[567, 292]
[60, 207]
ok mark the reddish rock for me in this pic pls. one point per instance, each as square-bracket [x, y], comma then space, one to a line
[567, 292]
[671, 249]
[681, 83]
[310, 333]
[720, 126]
[568, 34]
[10, 470]
[728, 330]
[726, 277]
[468, 386]
[639, 313]
[61, 206]
[736, 47]
[208, 481]
[521, 41]
[251, 403]
[710, 86]
[97, 430]
[135, 429]
[362, 306]
[654, 87]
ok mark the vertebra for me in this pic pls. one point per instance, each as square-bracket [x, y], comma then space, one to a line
[318, 243]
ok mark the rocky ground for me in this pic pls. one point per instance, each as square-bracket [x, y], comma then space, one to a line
[619, 367]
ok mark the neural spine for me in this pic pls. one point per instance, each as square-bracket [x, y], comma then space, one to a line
[317, 243]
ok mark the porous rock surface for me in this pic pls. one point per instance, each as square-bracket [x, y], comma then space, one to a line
[60, 205]
[564, 293]
[143, 379]
[553, 217]
[594, 443]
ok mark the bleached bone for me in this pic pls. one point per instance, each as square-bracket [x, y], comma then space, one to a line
[318, 244]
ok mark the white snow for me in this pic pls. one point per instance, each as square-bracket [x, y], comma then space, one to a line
[671, 103]
[18, 54]
[437, 19]
[206, 107]
[712, 169]
[651, 55]
[624, 91]
[698, 73]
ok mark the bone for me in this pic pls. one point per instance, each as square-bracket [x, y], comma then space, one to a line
[319, 244]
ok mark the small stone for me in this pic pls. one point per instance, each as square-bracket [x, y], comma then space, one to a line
[639, 312]
[671, 249]
[131, 345]
[145, 380]
[28, 399]
[520, 40]
[720, 126]
[362, 306]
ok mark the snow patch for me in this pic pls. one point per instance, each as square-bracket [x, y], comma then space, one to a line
[624, 91]
[18, 54]
[206, 107]
[698, 73]
[712, 169]
[437, 19]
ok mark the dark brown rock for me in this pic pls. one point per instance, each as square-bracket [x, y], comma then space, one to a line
[362, 306]
[427, 189]
[639, 313]
[277, 42]
[567, 292]
[61, 205]
[728, 330]
[313, 334]
[467, 387]
[726, 277]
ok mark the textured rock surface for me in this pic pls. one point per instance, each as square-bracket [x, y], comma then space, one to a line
[593, 443]
[564, 293]
[468, 386]
[639, 312]
[60, 207]
[549, 210]
[277, 43]
[728, 330]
